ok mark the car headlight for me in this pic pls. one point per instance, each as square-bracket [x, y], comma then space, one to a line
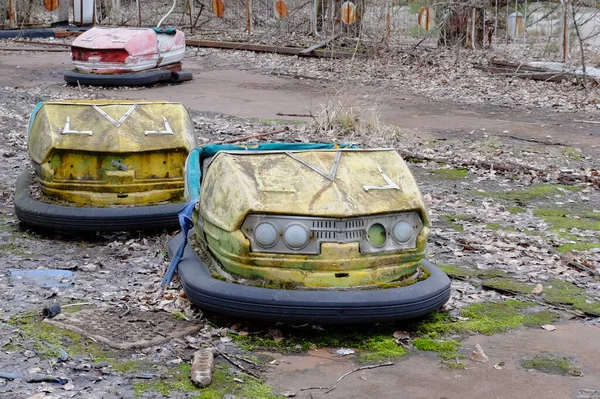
[402, 232]
[377, 235]
[265, 235]
[296, 236]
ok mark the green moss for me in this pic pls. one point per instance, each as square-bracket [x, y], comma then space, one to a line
[551, 364]
[493, 226]
[515, 209]
[371, 343]
[451, 220]
[468, 273]
[540, 318]
[459, 272]
[567, 219]
[572, 153]
[380, 347]
[450, 174]
[535, 192]
[36, 330]
[506, 284]
[176, 380]
[427, 344]
[563, 220]
[565, 293]
[483, 318]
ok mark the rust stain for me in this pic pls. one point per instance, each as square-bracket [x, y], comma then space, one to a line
[51, 5]
[348, 13]
[218, 8]
[281, 10]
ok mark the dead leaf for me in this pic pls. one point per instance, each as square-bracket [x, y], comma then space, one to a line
[276, 334]
[537, 289]
[401, 335]
[478, 355]
[548, 327]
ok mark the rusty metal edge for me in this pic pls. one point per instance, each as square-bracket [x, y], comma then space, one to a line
[271, 49]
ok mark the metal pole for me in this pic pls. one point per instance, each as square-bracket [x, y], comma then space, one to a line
[191, 7]
[139, 12]
[248, 17]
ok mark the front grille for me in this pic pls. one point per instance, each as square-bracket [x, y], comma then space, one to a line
[334, 230]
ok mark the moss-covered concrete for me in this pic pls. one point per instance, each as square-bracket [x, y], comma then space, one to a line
[485, 318]
[566, 293]
[171, 379]
[534, 192]
[450, 174]
[562, 220]
[551, 364]
[453, 221]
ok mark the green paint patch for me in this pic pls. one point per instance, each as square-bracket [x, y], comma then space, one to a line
[450, 174]
[565, 293]
[535, 192]
[484, 318]
[551, 364]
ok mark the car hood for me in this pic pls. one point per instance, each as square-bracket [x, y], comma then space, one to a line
[325, 183]
[135, 41]
[108, 126]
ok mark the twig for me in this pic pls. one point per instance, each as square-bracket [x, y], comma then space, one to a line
[242, 358]
[584, 121]
[236, 364]
[253, 136]
[297, 115]
[358, 369]
[126, 311]
[230, 360]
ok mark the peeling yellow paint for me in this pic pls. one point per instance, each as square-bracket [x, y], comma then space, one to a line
[236, 185]
[111, 152]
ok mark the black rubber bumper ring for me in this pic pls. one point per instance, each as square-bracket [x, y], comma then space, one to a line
[304, 306]
[70, 218]
[125, 79]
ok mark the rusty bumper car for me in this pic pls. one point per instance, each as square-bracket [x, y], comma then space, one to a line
[128, 57]
[305, 233]
[105, 165]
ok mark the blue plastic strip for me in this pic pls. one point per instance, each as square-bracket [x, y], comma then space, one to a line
[193, 182]
[186, 223]
[168, 31]
[32, 117]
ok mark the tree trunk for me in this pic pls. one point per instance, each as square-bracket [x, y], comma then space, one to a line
[63, 11]
[462, 26]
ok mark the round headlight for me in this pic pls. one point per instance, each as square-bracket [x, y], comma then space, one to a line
[265, 235]
[377, 234]
[296, 236]
[402, 232]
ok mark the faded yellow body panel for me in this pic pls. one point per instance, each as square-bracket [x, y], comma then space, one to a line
[111, 152]
[277, 183]
[309, 183]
